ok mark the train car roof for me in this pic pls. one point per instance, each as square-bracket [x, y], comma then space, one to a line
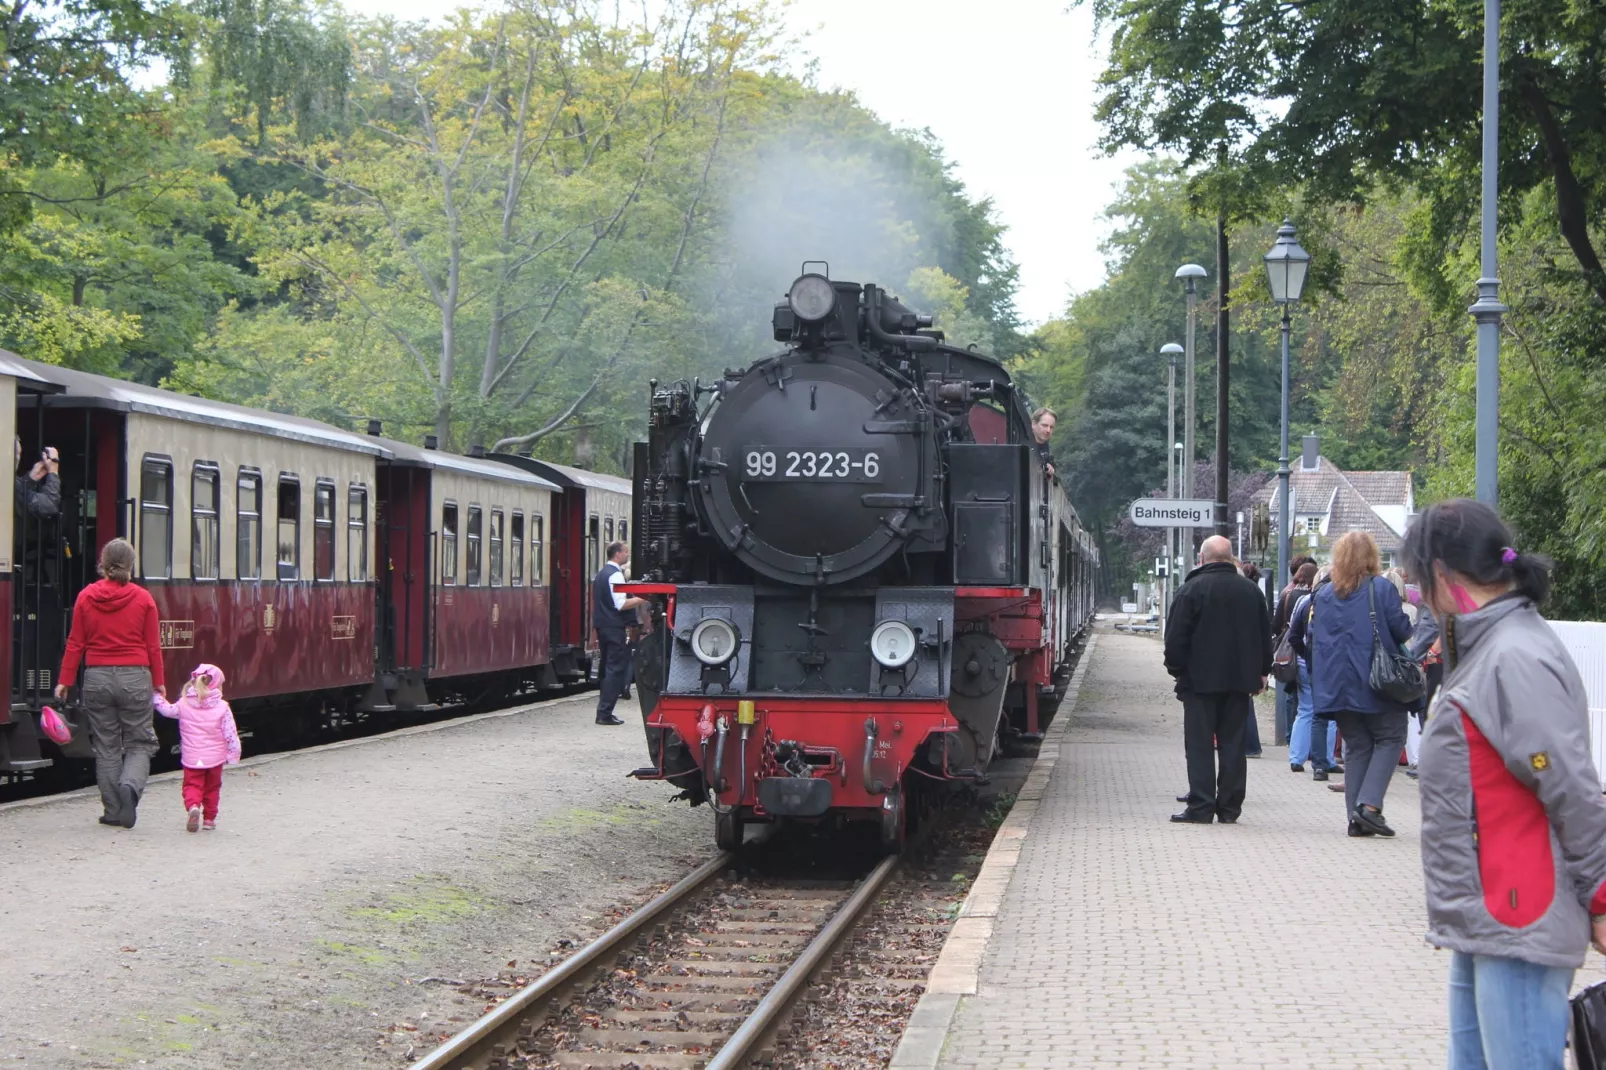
[408, 454]
[566, 476]
[84, 389]
[27, 379]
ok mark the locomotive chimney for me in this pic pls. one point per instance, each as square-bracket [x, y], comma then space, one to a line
[431, 442]
[477, 450]
[375, 427]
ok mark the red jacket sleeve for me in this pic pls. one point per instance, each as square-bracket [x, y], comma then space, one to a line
[153, 643]
[74, 654]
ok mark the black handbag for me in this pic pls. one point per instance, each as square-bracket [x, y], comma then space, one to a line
[1589, 1027]
[1394, 675]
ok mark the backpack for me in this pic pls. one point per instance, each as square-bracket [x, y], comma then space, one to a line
[1284, 662]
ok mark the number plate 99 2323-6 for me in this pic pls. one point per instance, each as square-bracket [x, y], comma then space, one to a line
[777, 464]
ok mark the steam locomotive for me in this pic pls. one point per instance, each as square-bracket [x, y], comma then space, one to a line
[864, 580]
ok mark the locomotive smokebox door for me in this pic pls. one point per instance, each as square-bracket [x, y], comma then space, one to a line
[799, 440]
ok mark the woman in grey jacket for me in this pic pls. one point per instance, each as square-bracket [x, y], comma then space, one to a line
[1513, 822]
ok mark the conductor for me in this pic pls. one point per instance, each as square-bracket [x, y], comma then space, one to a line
[611, 614]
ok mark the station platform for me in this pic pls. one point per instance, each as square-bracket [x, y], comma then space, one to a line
[350, 892]
[1099, 934]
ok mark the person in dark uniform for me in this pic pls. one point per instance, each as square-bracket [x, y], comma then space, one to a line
[612, 612]
[1218, 648]
[1043, 421]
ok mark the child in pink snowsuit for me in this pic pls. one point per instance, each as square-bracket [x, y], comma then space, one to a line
[208, 740]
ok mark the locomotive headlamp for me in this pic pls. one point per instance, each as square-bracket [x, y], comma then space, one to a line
[892, 644]
[713, 641]
[812, 298]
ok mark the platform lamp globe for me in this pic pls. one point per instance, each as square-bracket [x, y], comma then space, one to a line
[1286, 266]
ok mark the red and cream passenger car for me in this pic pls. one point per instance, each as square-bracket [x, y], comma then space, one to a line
[330, 574]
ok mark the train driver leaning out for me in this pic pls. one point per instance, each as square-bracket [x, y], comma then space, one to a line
[1043, 421]
[612, 614]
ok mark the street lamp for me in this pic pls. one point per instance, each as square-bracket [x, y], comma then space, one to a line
[1240, 554]
[1171, 351]
[1286, 265]
[1488, 309]
[1190, 274]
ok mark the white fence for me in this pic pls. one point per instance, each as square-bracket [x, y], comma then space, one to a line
[1586, 642]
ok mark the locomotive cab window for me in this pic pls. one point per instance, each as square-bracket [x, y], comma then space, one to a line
[156, 518]
[496, 547]
[515, 550]
[288, 555]
[248, 525]
[449, 544]
[323, 530]
[472, 571]
[537, 551]
[205, 528]
[357, 533]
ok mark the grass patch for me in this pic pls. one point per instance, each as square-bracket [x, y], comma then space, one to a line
[432, 899]
[1000, 809]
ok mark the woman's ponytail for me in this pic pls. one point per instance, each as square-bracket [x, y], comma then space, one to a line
[1469, 538]
[1531, 573]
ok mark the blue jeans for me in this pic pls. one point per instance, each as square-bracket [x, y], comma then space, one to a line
[1300, 747]
[1506, 1014]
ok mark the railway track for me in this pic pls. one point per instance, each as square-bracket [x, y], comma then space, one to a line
[700, 977]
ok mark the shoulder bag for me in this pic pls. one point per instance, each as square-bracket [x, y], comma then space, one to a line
[1394, 675]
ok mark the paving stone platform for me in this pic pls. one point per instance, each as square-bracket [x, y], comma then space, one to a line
[1101, 935]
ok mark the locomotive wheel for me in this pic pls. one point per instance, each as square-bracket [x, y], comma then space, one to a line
[728, 831]
[894, 821]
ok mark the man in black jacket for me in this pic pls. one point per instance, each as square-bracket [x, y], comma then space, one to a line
[1218, 648]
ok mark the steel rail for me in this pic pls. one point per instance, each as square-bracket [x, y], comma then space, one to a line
[786, 988]
[473, 1044]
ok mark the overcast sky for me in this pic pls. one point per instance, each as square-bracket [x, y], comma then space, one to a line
[1006, 85]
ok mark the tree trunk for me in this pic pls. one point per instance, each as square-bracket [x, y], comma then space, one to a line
[1571, 210]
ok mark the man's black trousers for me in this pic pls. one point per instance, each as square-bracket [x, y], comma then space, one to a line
[1215, 723]
[614, 674]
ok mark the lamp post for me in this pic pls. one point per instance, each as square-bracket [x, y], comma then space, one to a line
[1286, 265]
[1240, 553]
[1488, 309]
[1171, 351]
[1190, 274]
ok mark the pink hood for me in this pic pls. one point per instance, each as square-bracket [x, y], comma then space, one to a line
[206, 730]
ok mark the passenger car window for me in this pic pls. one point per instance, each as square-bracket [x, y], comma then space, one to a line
[357, 533]
[248, 525]
[515, 552]
[289, 538]
[156, 518]
[449, 544]
[537, 551]
[496, 547]
[472, 571]
[323, 530]
[205, 529]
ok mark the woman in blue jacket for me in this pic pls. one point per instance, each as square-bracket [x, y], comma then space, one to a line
[1338, 645]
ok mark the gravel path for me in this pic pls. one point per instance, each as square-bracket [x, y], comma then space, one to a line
[345, 894]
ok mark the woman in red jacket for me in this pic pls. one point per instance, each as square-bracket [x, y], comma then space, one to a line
[114, 635]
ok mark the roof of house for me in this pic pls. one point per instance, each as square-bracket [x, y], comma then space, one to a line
[1346, 498]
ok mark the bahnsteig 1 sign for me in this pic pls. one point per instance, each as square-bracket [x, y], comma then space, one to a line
[1172, 513]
